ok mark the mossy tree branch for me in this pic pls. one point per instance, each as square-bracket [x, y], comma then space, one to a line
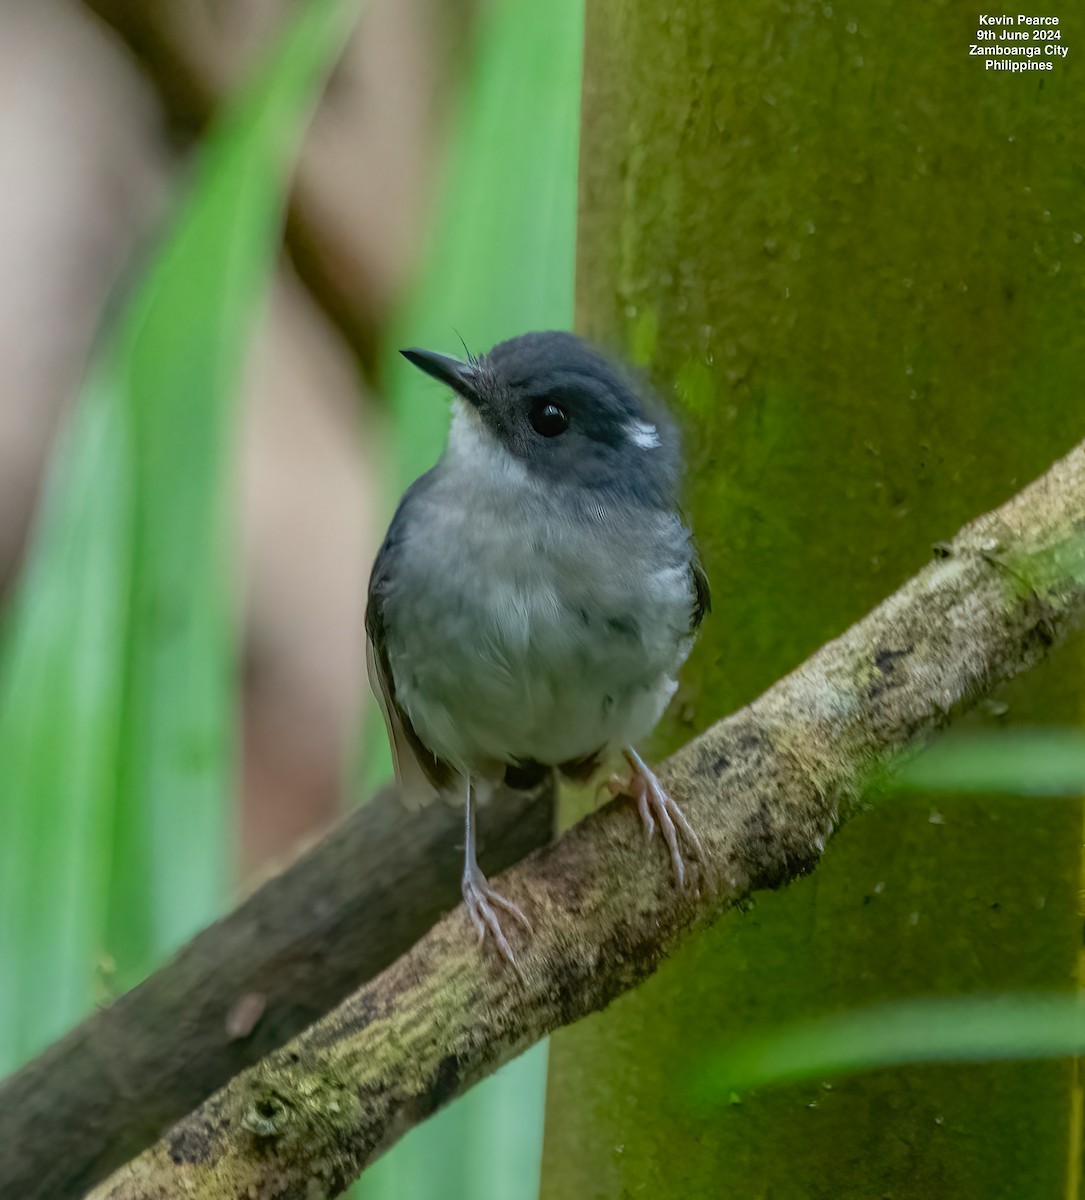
[294, 949]
[765, 789]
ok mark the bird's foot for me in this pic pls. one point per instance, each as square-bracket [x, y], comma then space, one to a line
[482, 901]
[656, 807]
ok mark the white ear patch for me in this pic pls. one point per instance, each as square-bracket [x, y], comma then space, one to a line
[643, 434]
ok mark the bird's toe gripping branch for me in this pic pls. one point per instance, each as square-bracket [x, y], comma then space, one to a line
[657, 808]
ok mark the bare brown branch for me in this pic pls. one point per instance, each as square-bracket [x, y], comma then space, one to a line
[243, 987]
[765, 789]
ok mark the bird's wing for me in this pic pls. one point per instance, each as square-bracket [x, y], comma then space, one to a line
[702, 593]
[419, 774]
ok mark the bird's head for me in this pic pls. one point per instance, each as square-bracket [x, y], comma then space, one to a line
[564, 411]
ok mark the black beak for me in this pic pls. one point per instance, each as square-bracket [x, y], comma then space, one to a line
[459, 376]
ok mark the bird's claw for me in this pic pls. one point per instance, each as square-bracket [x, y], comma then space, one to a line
[633, 787]
[656, 807]
[481, 901]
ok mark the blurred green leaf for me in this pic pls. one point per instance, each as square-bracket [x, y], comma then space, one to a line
[502, 257]
[1022, 762]
[972, 1029]
[117, 698]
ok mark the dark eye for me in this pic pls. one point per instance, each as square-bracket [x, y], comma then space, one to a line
[549, 418]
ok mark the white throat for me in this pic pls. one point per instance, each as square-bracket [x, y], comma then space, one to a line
[474, 451]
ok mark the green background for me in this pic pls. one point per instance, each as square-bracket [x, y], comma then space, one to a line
[858, 254]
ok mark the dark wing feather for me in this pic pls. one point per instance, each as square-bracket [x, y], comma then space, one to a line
[702, 594]
[418, 769]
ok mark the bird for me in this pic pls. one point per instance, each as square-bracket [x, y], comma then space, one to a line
[536, 593]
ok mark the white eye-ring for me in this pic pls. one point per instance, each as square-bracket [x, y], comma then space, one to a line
[643, 434]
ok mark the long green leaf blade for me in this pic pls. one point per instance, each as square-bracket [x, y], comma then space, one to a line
[116, 697]
[966, 1029]
[1021, 762]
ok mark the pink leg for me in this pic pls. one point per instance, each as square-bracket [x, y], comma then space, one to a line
[481, 899]
[654, 805]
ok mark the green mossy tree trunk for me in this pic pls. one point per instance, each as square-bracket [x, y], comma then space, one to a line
[859, 254]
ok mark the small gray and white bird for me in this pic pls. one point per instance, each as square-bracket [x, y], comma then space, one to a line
[536, 591]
